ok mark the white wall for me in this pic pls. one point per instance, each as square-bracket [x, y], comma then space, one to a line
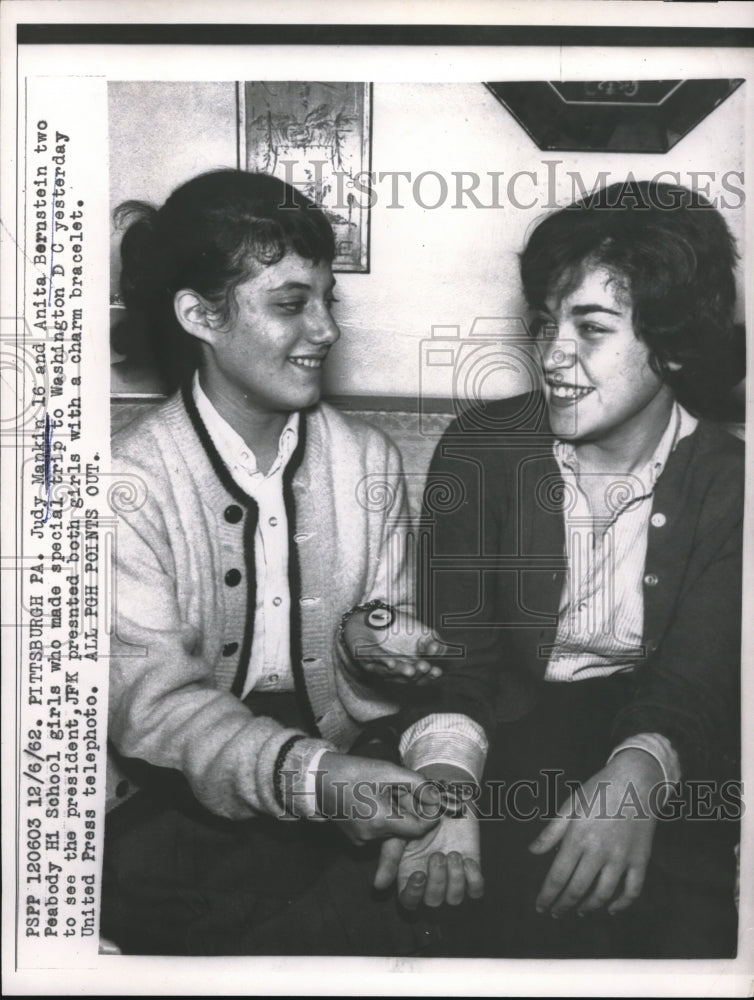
[161, 134]
[443, 266]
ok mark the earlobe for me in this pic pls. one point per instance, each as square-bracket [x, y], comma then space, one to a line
[194, 315]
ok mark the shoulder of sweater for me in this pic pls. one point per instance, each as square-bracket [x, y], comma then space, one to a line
[500, 419]
[713, 449]
[347, 426]
[707, 467]
[498, 436]
[152, 441]
[716, 438]
[148, 426]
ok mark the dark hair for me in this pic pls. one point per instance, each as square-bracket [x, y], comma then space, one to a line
[676, 255]
[206, 237]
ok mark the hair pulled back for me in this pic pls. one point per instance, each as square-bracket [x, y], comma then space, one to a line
[207, 237]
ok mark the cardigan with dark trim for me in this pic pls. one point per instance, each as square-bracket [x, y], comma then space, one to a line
[496, 569]
[185, 605]
[250, 526]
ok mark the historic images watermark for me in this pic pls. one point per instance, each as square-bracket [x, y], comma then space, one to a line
[548, 187]
[549, 796]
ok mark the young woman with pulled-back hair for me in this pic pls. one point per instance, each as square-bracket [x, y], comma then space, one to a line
[246, 663]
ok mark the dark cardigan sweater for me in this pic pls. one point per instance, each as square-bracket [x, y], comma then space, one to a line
[494, 526]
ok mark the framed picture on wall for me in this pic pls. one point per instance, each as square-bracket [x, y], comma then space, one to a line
[315, 136]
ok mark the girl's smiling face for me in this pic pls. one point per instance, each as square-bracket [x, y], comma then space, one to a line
[598, 382]
[268, 358]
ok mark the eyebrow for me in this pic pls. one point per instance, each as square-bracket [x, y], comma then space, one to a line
[289, 286]
[592, 307]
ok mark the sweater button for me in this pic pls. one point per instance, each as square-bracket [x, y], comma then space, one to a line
[233, 514]
[233, 577]
[658, 520]
[230, 648]
[651, 580]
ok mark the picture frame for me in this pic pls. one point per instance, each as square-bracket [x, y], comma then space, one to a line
[316, 136]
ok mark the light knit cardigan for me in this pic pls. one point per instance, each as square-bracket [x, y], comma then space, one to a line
[185, 606]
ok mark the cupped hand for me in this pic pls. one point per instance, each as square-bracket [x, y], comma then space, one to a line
[443, 866]
[401, 652]
[604, 836]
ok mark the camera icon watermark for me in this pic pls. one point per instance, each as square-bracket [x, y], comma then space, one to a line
[497, 359]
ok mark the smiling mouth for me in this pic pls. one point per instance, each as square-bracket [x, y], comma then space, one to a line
[568, 392]
[306, 362]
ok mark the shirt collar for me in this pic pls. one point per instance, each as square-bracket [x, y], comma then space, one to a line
[231, 447]
[680, 424]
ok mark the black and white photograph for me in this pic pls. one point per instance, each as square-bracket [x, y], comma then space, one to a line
[374, 457]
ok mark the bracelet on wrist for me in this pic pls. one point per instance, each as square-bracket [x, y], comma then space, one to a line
[277, 770]
[454, 795]
[378, 615]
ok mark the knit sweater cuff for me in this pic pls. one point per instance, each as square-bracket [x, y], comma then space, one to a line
[445, 738]
[294, 777]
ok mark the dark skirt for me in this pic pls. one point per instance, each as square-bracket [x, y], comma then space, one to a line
[178, 880]
[686, 909]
